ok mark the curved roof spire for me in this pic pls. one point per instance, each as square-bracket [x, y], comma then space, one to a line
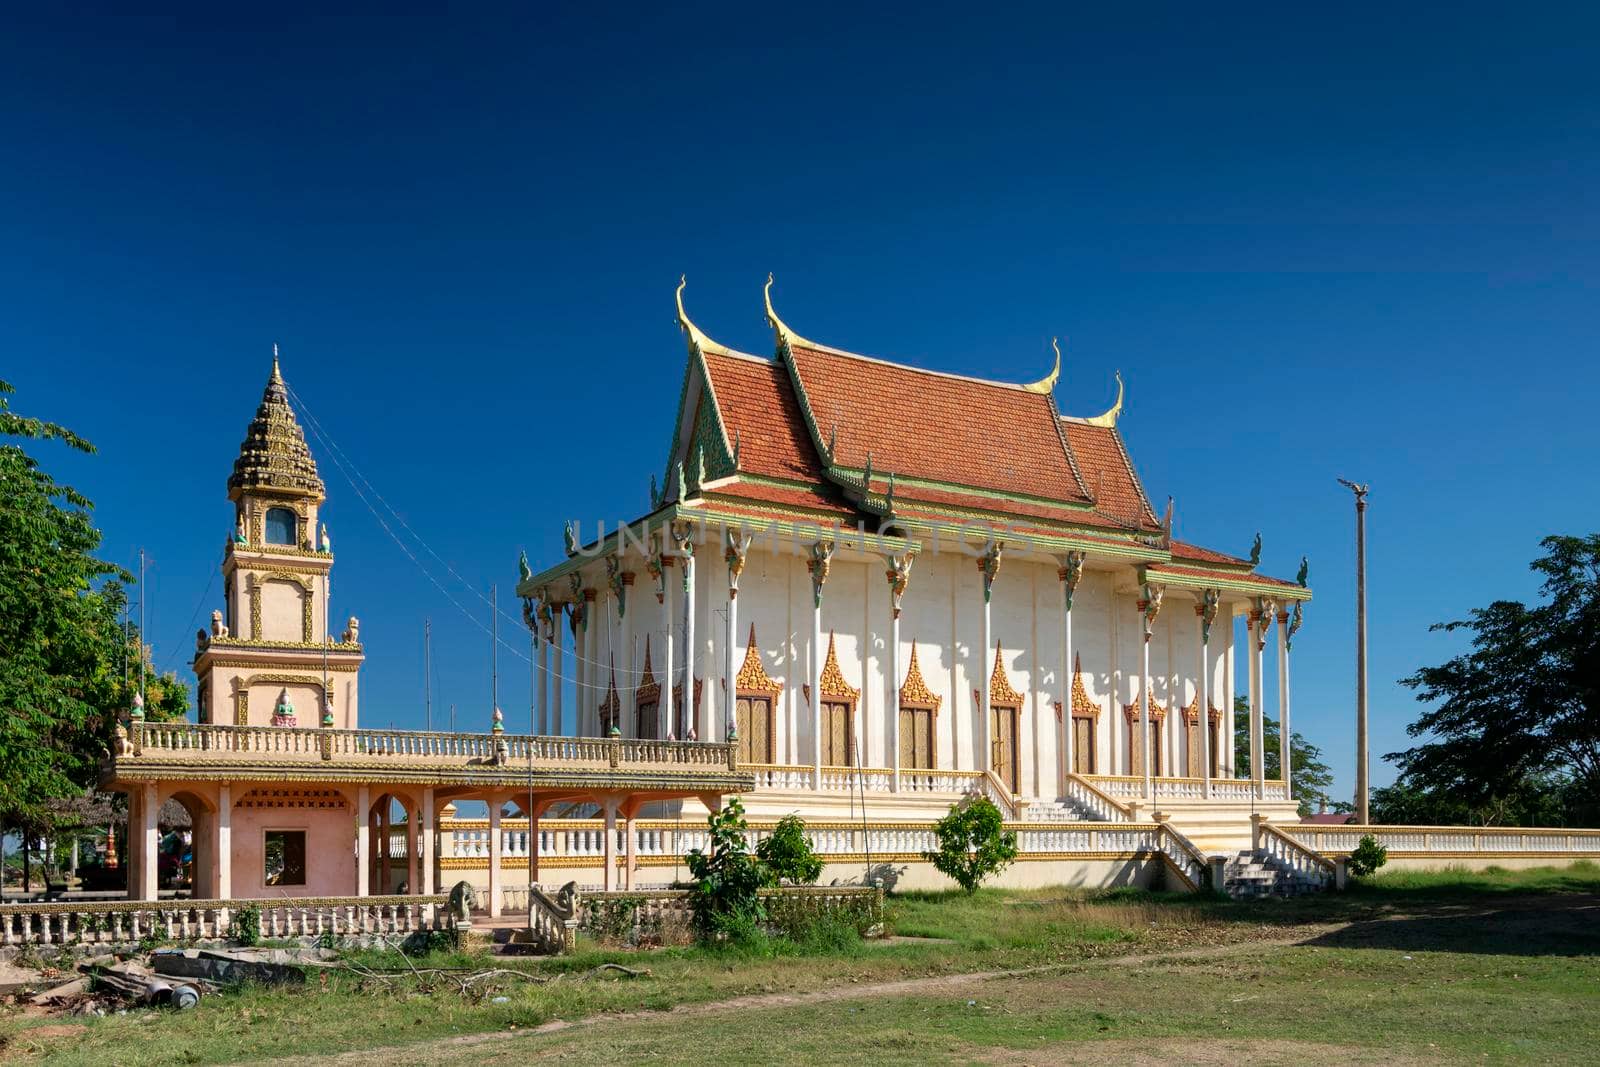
[1047, 384]
[780, 327]
[1113, 413]
[696, 336]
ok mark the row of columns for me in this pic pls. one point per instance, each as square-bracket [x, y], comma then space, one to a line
[736, 544]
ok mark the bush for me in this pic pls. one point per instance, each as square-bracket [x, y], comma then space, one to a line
[727, 878]
[787, 853]
[973, 844]
[1368, 856]
[245, 925]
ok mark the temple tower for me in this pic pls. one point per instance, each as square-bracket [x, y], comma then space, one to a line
[269, 649]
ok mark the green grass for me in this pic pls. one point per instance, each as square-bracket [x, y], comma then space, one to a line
[1441, 965]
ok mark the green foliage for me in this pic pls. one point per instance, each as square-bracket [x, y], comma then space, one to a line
[787, 854]
[1311, 776]
[973, 843]
[727, 878]
[62, 673]
[244, 926]
[1367, 856]
[611, 921]
[1513, 727]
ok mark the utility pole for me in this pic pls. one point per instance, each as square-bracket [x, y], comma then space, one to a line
[141, 625]
[427, 675]
[1362, 789]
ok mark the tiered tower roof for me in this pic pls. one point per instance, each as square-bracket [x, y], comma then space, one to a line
[274, 456]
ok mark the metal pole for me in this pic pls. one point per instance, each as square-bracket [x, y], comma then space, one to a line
[427, 673]
[1362, 785]
[141, 624]
[494, 649]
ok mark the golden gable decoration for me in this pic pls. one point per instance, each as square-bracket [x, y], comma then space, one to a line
[752, 675]
[1000, 691]
[649, 689]
[915, 691]
[1191, 714]
[1082, 706]
[1157, 712]
[832, 680]
[611, 706]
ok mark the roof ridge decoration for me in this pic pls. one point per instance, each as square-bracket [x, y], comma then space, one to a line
[785, 335]
[914, 690]
[752, 675]
[274, 455]
[1000, 689]
[696, 336]
[832, 681]
[1113, 413]
[1047, 384]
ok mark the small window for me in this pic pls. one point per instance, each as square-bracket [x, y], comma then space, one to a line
[285, 857]
[281, 524]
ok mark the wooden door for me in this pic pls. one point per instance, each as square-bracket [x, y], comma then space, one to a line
[1136, 738]
[753, 719]
[916, 738]
[648, 720]
[1082, 745]
[837, 750]
[1004, 726]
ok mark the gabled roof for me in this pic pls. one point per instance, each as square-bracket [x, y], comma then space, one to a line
[939, 427]
[1113, 483]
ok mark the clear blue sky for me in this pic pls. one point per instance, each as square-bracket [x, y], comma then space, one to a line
[1352, 241]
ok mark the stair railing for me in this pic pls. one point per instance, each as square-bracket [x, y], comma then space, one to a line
[1096, 801]
[1181, 856]
[1285, 851]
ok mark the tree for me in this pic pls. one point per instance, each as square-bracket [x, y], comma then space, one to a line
[1311, 776]
[973, 843]
[787, 854]
[62, 645]
[1517, 717]
[727, 878]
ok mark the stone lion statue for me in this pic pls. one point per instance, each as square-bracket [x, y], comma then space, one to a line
[462, 900]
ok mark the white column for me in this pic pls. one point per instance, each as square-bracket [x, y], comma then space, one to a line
[1206, 614]
[149, 844]
[628, 681]
[1144, 713]
[224, 841]
[1257, 637]
[988, 567]
[816, 691]
[730, 692]
[630, 838]
[594, 676]
[891, 702]
[1070, 574]
[495, 849]
[1283, 699]
[666, 714]
[543, 717]
[425, 861]
[691, 651]
[363, 843]
[557, 726]
[1230, 683]
[413, 843]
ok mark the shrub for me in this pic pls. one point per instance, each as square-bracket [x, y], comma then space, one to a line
[1368, 856]
[245, 924]
[727, 878]
[973, 844]
[787, 853]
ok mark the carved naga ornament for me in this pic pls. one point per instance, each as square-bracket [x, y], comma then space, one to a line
[818, 565]
[1150, 607]
[738, 546]
[989, 565]
[899, 575]
[1071, 573]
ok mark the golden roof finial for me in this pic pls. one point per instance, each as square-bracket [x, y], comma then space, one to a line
[1110, 417]
[1047, 384]
[780, 327]
[696, 336]
[277, 376]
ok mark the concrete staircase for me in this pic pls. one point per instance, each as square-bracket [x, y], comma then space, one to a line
[1252, 876]
[1061, 809]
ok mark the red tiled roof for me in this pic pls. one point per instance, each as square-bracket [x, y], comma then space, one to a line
[907, 497]
[1329, 818]
[1109, 473]
[813, 499]
[757, 402]
[940, 427]
[1184, 550]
